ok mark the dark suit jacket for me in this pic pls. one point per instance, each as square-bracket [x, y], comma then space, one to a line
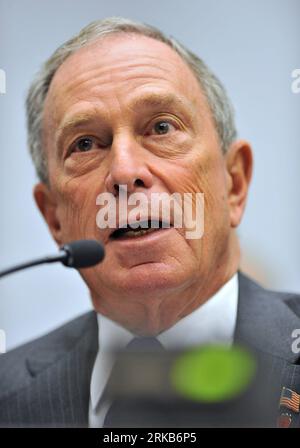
[47, 382]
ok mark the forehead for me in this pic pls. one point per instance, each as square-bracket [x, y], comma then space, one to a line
[118, 68]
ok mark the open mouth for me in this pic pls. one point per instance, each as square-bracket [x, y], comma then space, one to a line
[144, 228]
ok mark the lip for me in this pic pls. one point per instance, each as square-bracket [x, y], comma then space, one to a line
[142, 240]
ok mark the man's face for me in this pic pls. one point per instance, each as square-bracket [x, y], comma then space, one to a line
[125, 108]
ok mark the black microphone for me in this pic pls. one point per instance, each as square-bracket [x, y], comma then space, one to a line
[76, 254]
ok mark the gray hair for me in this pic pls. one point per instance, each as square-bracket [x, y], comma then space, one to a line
[214, 91]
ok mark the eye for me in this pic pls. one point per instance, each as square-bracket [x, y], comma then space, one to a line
[87, 143]
[163, 127]
[83, 144]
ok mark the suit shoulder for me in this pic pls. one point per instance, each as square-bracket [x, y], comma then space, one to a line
[14, 371]
[289, 299]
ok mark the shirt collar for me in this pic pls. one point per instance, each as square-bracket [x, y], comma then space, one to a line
[213, 322]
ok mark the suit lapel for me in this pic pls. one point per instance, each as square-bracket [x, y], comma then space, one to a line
[61, 378]
[265, 323]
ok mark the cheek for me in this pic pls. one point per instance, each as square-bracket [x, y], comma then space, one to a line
[77, 207]
[203, 172]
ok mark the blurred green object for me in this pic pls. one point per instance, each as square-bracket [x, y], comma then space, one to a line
[213, 374]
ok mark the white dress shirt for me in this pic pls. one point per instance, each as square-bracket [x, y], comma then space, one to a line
[213, 322]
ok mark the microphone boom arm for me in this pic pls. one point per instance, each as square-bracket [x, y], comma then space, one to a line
[76, 254]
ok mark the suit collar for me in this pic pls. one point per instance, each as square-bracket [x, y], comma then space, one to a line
[265, 321]
[79, 336]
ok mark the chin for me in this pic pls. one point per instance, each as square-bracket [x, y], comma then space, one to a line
[149, 278]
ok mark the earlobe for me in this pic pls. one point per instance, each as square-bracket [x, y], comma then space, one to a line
[46, 203]
[239, 163]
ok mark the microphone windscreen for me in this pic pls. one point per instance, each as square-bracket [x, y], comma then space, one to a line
[83, 253]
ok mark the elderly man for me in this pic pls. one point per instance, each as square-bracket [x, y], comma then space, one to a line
[118, 106]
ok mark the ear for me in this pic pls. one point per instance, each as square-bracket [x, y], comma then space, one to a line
[239, 164]
[47, 205]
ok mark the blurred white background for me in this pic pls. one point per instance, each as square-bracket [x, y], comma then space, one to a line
[253, 47]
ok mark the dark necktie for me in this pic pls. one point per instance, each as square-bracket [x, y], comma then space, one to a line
[119, 408]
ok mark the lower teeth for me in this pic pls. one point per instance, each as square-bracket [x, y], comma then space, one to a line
[136, 233]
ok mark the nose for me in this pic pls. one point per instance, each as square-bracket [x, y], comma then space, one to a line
[128, 167]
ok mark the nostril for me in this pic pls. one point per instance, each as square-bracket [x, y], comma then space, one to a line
[136, 183]
[139, 183]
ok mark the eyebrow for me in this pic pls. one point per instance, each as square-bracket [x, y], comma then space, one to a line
[74, 122]
[150, 100]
